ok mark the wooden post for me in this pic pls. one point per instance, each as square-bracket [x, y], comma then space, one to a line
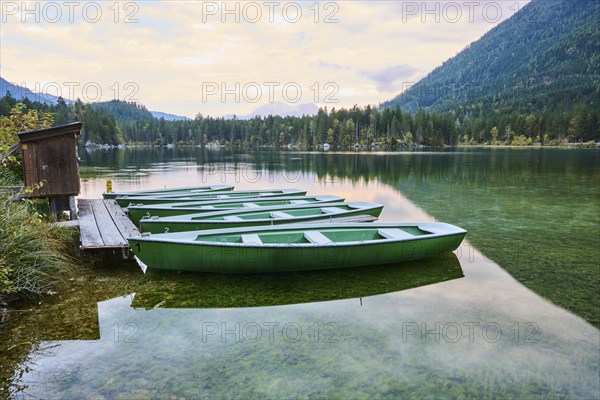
[59, 204]
[54, 206]
[72, 207]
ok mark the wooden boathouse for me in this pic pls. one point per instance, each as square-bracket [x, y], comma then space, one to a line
[51, 170]
[50, 166]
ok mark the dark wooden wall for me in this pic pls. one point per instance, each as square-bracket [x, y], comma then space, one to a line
[50, 158]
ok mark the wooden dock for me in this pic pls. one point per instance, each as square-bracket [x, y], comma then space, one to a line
[103, 225]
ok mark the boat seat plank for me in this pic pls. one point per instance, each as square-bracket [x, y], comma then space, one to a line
[332, 210]
[317, 237]
[353, 218]
[251, 238]
[280, 214]
[232, 218]
[394, 233]
[250, 205]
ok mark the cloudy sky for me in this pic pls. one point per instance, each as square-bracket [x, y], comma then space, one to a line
[217, 58]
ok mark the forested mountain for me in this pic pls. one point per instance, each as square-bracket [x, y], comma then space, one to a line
[100, 126]
[125, 111]
[546, 57]
[390, 128]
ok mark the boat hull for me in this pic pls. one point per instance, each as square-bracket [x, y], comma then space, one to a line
[167, 252]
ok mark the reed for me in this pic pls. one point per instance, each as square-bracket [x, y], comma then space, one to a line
[34, 255]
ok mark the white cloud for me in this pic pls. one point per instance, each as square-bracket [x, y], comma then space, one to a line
[204, 27]
[194, 61]
[389, 78]
[174, 50]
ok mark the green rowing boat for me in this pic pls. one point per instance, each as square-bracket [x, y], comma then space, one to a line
[136, 213]
[125, 201]
[257, 217]
[168, 192]
[295, 247]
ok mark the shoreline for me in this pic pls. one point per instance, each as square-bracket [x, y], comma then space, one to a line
[569, 146]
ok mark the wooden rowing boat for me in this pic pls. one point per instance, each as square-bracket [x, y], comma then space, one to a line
[125, 201]
[295, 247]
[277, 215]
[169, 192]
[136, 213]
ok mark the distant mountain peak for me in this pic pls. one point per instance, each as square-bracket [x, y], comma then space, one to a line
[122, 110]
[20, 92]
[281, 109]
[168, 117]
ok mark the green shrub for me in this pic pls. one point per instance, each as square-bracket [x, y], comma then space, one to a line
[11, 173]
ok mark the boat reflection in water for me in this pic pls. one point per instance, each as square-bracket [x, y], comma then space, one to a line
[167, 289]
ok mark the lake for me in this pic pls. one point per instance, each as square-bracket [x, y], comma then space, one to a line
[513, 313]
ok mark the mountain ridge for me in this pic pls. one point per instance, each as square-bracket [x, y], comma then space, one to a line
[119, 107]
[22, 92]
[549, 47]
[168, 117]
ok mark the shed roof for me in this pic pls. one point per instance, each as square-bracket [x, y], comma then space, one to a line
[72, 128]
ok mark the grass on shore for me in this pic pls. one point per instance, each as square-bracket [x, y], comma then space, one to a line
[34, 255]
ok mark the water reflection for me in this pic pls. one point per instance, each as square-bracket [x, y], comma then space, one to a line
[554, 167]
[534, 211]
[167, 289]
[481, 336]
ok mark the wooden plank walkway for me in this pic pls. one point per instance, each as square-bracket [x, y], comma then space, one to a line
[104, 225]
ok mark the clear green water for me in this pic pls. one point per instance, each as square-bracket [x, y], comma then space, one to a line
[451, 327]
